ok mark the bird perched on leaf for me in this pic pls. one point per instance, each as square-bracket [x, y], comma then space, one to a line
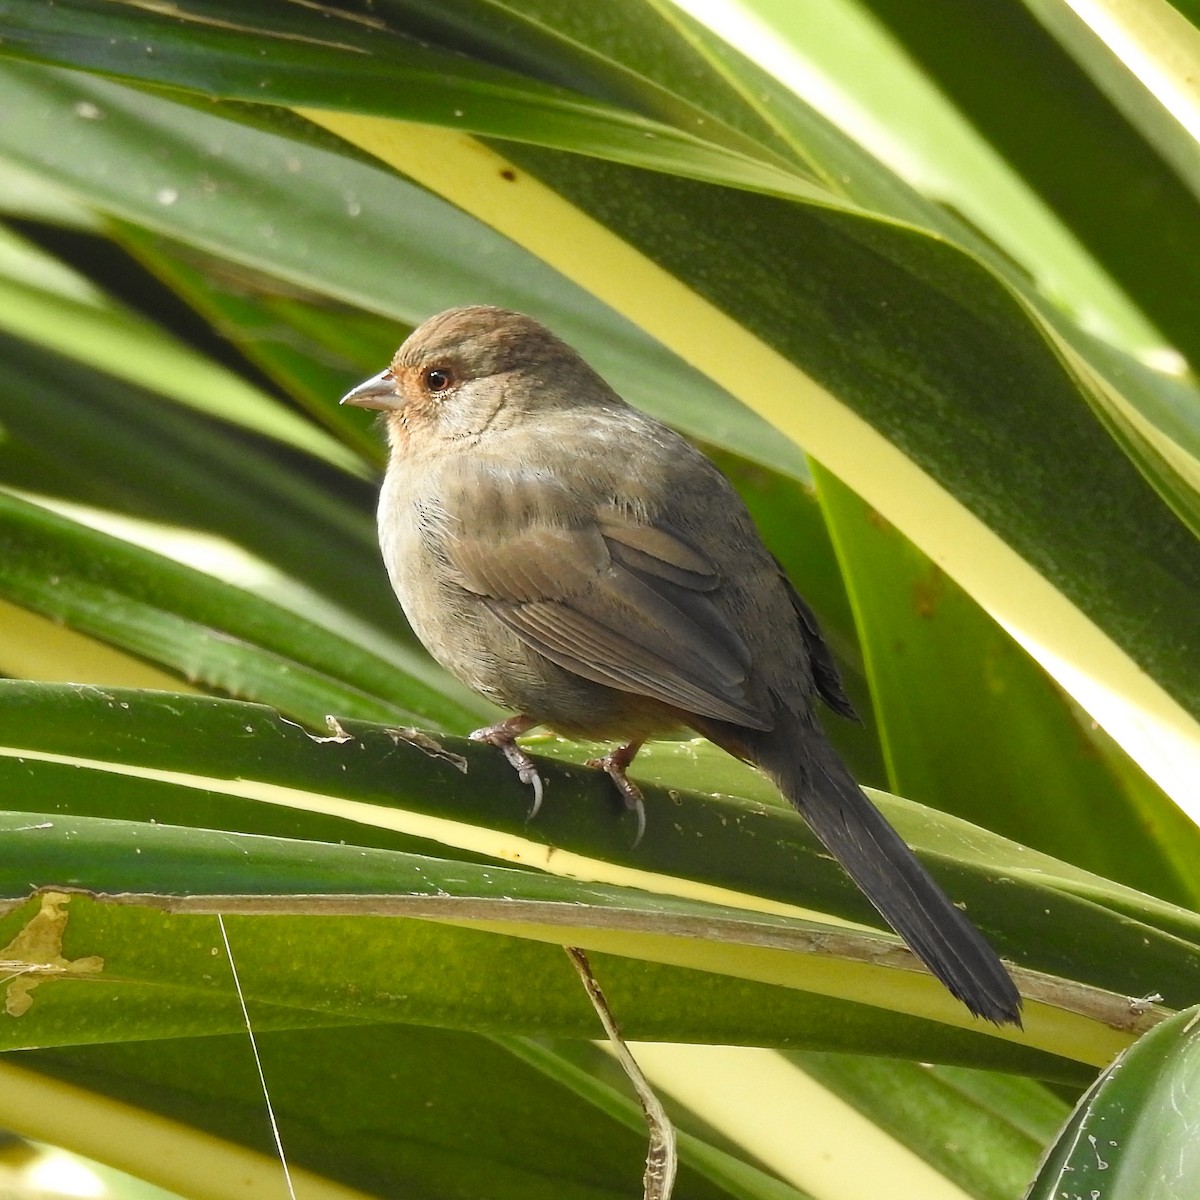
[584, 567]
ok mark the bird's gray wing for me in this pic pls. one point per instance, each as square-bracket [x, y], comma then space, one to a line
[820, 657]
[623, 603]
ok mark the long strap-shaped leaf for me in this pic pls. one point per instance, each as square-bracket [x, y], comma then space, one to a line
[409, 825]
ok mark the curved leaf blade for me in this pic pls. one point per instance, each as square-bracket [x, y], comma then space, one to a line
[1133, 1135]
[121, 755]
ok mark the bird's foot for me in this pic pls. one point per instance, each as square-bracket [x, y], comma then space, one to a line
[614, 764]
[503, 735]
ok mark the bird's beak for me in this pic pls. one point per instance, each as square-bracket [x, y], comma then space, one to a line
[377, 392]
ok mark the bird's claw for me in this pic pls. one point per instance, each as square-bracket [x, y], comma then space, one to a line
[527, 773]
[613, 765]
[502, 736]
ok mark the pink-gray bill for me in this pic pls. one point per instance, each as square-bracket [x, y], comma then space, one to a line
[586, 568]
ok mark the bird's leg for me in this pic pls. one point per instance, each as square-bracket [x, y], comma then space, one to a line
[504, 734]
[614, 764]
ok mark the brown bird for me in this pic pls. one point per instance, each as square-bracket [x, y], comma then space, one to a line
[581, 565]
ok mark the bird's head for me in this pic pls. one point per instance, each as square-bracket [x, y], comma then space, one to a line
[469, 370]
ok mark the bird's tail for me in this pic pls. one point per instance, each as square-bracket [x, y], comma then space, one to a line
[812, 777]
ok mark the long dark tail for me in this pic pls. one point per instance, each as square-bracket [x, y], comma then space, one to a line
[813, 778]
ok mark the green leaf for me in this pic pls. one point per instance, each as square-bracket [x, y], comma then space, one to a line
[114, 760]
[954, 45]
[323, 239]
[983, 1131]
[946, 680]
[344, 68]
[206, 1112]
[229, 636]
[1134, 1133]
[43, 301]
[76, 436]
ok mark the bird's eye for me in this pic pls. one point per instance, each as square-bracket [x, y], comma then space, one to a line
[438, 379]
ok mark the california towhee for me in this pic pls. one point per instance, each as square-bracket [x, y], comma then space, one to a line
[583, 566]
